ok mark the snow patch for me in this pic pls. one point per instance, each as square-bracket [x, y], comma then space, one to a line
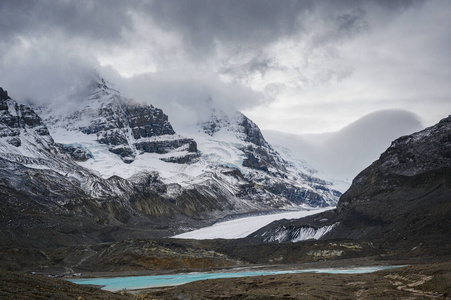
[283, 234]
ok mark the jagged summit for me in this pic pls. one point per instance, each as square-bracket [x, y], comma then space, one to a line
[235, 122]
[227, 148]
[229, 139]
[126, 127]
[3, 94]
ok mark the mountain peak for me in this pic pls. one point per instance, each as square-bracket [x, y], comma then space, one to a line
[3, 94]
[125, 127]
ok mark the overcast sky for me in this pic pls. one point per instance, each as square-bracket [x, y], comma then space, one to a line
[294, 66]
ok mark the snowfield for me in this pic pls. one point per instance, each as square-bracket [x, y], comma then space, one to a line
[240, 228]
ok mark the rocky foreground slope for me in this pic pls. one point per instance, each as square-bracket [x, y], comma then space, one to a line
[401, 202]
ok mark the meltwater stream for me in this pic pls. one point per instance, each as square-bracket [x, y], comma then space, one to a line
[141, 282]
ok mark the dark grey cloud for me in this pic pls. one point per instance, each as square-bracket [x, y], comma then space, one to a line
[104, 21]
[203, 23]
[255, 65]
[200, 24]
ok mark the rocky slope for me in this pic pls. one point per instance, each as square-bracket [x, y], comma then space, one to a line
[400, 202]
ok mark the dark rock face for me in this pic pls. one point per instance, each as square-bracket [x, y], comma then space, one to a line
[147, 121]
[126, 127]
[3, 96]
[319, 196]
[262, 158]
[119, 118]
[253, 133]
[163, 147]
[186, 159]
[259, 155]
[15, 117]
[425, 151]
[77, 152]
[401, 202]
[15, 141]
[300, 196]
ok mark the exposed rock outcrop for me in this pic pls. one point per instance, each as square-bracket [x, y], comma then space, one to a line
[21, 127]
[77, 152]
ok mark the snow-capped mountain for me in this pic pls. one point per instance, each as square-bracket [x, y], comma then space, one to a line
[227, 150]
[232, 140]
[113, 163]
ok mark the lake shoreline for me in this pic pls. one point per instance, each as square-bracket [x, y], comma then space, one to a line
[115, 284]
[431, 277]
[342, 263]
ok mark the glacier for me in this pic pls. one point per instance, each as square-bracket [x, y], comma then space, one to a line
[242, 227]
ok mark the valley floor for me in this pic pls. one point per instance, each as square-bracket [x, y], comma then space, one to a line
[419, 280]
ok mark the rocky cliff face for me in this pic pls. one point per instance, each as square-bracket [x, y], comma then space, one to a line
[127, 128]
[400, 202]
[20, 126]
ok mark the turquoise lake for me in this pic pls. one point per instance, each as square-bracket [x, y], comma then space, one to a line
[140, 282]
